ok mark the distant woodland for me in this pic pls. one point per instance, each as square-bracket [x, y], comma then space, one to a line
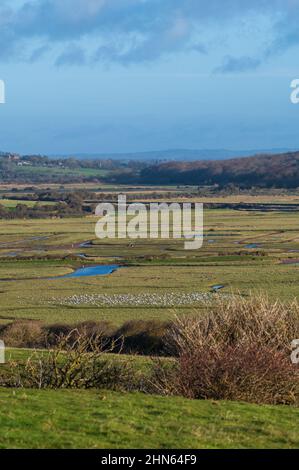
[280, 171]
[264, 171]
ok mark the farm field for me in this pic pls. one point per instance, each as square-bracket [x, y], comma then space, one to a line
[133, 420]
[56, 171]
[11, 203]
[244, 251]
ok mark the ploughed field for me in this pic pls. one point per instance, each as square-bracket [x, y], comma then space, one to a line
[242, 251]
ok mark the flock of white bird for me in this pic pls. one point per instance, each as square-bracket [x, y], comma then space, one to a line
[169, 299]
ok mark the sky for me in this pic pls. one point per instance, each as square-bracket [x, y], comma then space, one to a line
[112, 76]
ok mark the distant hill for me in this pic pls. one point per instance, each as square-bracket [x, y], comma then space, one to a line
[280, 170]
[173, 154]
[261, 170]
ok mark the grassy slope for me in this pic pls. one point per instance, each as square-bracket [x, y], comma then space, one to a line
[99, 419]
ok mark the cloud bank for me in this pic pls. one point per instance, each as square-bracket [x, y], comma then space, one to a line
[135, 31]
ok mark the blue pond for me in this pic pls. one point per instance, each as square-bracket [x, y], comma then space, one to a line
[252, 245]
[218, 287]
[100, 270]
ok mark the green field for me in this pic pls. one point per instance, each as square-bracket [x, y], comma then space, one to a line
[150, 267]
[12, 203]
[29, 171]
[102, 419]
[246, 251]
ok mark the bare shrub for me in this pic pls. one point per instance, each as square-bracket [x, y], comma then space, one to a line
[249, 374]
[93, 329]
[54, 333]
[238, 320]
[238, 350]
[24, 333]
[139, 336]
[78, 361]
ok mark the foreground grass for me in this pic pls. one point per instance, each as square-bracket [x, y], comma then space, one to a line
[100, 419]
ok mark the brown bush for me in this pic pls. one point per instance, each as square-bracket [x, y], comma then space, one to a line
[139, 336]
[23, 333]
[54, 333]
[239, 350]
[254, 320]
[93, 328]
[249, 374]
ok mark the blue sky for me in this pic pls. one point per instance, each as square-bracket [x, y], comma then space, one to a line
[99, 76]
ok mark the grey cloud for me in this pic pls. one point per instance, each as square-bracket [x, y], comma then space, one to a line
[127, 31]
[238, 64]
[286, 35]
[72, 55]
[198, 47]
[38, 53]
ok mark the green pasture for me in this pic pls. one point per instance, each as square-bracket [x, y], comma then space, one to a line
[59, 171]
[12, 203]
[103, 419]
[34, 251]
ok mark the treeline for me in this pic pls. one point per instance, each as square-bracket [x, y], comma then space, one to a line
[71, 204]
[259, 171]
[281, 171]
[49, 195]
